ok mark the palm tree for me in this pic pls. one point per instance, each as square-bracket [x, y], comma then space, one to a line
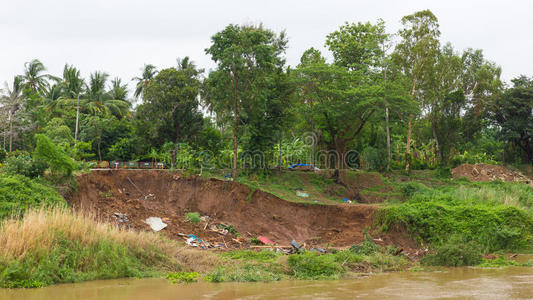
[118, 90]
[34, 77]
[11, 101]
[100, 103]
[148, 73]
[72, 83]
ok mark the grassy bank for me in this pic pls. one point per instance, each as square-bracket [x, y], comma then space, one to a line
[249, 265]
[50, 246]
[465, 216]
[56, 246]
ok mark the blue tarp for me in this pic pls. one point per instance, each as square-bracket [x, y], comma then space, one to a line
[300, 165]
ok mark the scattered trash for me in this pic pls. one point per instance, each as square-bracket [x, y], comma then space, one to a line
[264, 240]
[155, 223]
[148, 196]
[318, 250]
[122, 218]
[216, 229]
[302, 194]
[192, 236]
[295, 245]
[346, 200]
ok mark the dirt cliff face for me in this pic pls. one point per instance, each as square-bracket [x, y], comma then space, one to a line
[159, 193]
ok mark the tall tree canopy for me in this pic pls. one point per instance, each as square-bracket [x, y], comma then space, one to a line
[170, 111]
[248, 84]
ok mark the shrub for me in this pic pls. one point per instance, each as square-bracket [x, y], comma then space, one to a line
[493, 227]
[409, 189]
[255, 241]
[455, 253]
[367, 247]
[182, 277]
[24, 165]
[313, 266]
[193, 217]
[56, 158]
[18, 193]
[3, 154]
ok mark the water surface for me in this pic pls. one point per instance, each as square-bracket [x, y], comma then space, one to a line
[453, 283]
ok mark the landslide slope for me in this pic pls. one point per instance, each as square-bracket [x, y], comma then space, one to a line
[144, 193]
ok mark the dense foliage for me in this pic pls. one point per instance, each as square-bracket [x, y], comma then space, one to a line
[380, 103]
[18, 193]
[493, 216]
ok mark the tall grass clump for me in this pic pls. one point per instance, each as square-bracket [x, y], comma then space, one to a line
[49, 246]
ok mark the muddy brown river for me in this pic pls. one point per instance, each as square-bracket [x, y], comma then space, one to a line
[453, 283]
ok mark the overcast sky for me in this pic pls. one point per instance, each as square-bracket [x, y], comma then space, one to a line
[119, 36]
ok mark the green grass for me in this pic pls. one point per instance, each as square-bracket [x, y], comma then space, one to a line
[260, 256]
[249, 265]
[284, 185]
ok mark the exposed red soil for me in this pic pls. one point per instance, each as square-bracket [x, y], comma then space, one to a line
[158, 193]
[486, 172]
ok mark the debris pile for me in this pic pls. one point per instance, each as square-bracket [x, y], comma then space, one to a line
[486, 172]
[122, 218]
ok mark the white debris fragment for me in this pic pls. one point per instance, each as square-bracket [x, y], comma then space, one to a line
[155, 223]
[302, 194]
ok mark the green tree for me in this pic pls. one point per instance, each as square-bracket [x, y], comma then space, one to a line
[414, 56]
[99, 104]
[57, 159]
[33, 76]
[170, 111]
[118, 91]
[12, 100]
[513, 112]
[249, 65]
[148, 73]
[358, 46]
[72, 83]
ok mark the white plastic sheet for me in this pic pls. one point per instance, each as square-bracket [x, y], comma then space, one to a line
[155, 223]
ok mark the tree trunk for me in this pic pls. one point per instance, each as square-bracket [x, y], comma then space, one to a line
[313, 142]
[408, 150]
[77, 119]
[388, 137]
[280, 142]
[98, 148]
[236, 124]
[234, 175]
[409, 130]
[10, 131]
[437, 147]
